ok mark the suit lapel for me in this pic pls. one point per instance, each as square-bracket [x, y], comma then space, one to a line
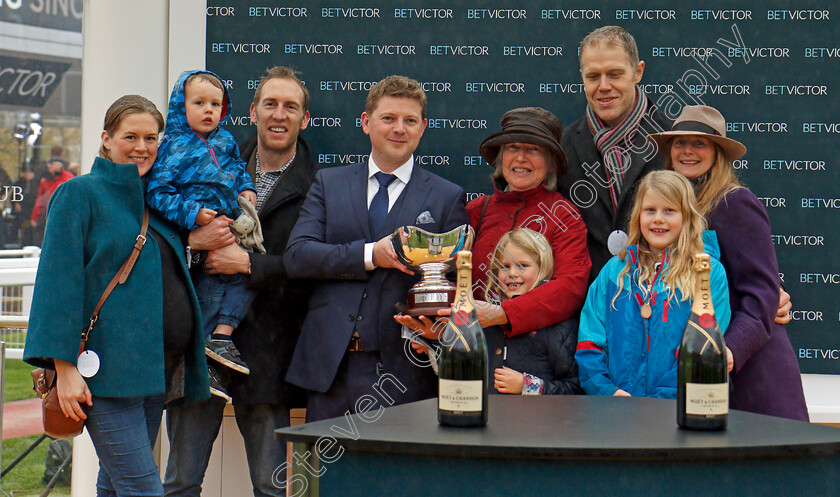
[251, 166]
[409, 205]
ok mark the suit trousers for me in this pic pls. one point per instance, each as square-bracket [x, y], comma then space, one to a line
[357, 375]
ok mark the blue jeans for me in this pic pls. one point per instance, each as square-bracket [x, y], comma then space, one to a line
[192, 429]
[124, 431]
[224, 299]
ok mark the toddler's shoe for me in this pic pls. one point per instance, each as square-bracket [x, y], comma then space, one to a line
[217, 386]
[225, 353]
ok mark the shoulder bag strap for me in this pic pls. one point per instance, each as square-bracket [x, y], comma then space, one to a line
[483, 210]
[119, 278]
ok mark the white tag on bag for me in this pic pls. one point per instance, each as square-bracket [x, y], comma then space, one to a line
[88, 363]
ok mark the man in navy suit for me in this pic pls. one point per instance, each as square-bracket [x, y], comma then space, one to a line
[350, 356]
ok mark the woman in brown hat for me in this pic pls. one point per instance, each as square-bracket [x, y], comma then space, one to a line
[528, 161]
[763, 367]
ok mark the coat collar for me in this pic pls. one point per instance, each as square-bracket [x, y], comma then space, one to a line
[123, 173]
[295, 182]
[710, 246]
[587, 152]
[519, 197]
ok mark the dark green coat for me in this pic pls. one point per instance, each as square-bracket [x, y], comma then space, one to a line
[92, 223]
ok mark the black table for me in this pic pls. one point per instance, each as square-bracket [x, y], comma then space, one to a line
[562, 445]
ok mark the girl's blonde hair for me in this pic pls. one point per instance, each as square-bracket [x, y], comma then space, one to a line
[675, 189]
[534, 244]
[715, 184]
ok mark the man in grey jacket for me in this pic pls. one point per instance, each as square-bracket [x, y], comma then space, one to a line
[607, 148]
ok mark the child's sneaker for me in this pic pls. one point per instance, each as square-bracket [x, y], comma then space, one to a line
[225, 353]
[216, 384]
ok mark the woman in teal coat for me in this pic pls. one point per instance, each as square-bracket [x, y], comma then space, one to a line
[147, 325]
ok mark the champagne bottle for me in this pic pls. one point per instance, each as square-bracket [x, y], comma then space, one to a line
[702, 377]
[462, 367]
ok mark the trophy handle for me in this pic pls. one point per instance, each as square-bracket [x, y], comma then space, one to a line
[468, 242]
[465, 243]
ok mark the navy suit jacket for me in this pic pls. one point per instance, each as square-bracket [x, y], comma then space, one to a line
[327, 245]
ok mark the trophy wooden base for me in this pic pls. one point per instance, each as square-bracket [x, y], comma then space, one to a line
[423, 302]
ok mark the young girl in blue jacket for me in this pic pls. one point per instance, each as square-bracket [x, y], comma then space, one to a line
[636, 310]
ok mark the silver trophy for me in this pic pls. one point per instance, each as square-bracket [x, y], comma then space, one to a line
[431, 255]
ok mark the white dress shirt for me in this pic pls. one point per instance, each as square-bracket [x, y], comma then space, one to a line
[403, 174]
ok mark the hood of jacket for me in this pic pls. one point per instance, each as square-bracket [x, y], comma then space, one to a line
[176, 116]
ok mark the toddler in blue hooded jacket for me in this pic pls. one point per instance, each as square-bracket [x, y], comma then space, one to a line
[198, 175]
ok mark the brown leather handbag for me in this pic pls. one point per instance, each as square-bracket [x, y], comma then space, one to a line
[56, 424]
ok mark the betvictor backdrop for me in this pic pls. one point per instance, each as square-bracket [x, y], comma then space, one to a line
[774, 72]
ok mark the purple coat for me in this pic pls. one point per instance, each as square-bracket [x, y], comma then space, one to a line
[766, 376]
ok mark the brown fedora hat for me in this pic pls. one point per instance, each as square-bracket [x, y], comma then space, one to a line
[704, 121]
[528, 125]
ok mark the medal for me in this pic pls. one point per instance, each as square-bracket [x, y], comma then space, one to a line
[645, 308]
[88, 363]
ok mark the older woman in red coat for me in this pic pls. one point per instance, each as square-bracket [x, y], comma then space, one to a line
[528, 161]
